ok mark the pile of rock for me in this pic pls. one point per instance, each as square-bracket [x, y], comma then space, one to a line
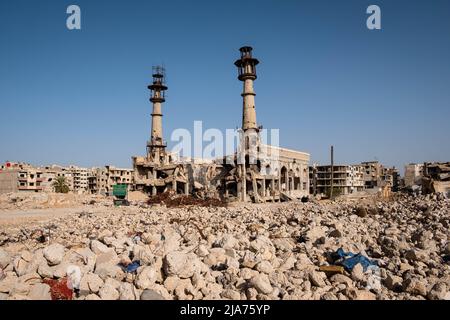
[44, 200]
[267, 251]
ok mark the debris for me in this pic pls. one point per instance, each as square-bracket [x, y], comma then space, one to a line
[172, 200]
[348, 260]
[332, 270]
[132, 267]
[59, 289]
[74, 277]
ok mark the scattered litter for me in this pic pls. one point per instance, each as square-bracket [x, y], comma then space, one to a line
[332, 270]
[74, 277]
[132, 267]
[59, 290]
[348, 260]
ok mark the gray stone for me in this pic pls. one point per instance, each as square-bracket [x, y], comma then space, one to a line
[149, 294]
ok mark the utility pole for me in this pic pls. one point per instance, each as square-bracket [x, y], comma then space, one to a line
[332, 172]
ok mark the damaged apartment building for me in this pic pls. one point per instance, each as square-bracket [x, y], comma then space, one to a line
[255, 172]
[428, 177]
[23, 177]
[349, 179]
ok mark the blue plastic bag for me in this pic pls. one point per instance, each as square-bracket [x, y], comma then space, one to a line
[350, 260]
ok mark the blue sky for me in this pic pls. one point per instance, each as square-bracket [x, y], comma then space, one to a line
[80, 96]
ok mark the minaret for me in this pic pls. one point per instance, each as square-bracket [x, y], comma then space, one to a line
[250, 135]
[247, 73]
[156, 146]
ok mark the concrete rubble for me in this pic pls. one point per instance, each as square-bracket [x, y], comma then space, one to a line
[244, 251]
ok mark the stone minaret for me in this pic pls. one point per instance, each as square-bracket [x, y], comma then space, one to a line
[250, 135]
[156, 146]
[247, 73]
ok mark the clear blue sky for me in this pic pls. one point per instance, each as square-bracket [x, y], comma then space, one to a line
[80, 96]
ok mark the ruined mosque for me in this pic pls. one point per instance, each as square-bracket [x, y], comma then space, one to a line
[256, 172]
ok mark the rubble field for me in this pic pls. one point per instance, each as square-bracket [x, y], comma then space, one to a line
[190, 251]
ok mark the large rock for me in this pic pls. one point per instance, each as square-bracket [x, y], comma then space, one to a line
[263, 248]
[265, 267]
[40, 291]
[215, 257]
[109, 292]
[261, 283]
[177, 263]
[317, 278]
[447, 249]
[415, 287]
[416, 255]
[361, 212]
[106, 265]
[393, 282]
[127, 291]
[438, 292]
[146, 277]
[91, 283]
[358, 272]
[5, 259]
[149, 294]
[45, 271]
[340, 278]
[315, 233]
[98, 248]
[54, 254]
[356, 294]
[228, 241]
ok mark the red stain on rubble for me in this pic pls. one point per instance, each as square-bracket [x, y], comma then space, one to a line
[59, 289]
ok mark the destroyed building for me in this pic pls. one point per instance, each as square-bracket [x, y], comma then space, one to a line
[102, 180]
[157, 172]
[413, 174]
[256, 172]
[342, 179]
[21, 177]
[436, 177]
